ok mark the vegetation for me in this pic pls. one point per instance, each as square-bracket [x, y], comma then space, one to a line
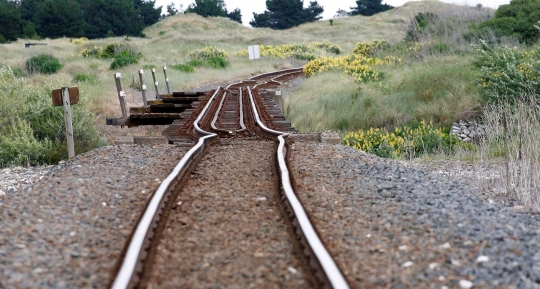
[75, 18]
[284, 14]
[32, 131]
[369, 7]
[43, 63]
[214, 8]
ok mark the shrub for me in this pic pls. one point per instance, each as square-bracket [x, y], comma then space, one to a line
[195, 63]
[82, 77]
[207, 52]
[124, 59]
[161, 33]
[406, 141]
[18, 146]
[78, 40]
[43, 63]
[508, 73]
[217, 62]
[367, 49]
[41, 122]
[183, 68]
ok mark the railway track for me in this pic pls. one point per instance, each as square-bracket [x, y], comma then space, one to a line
[212, 189]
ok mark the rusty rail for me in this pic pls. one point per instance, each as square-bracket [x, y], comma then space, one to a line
[331, 274]
[127, 276]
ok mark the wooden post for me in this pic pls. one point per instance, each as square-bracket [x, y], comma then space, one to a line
[155, 82]
[121, 93]
[166, 79]
[68, 120]
[143, 86]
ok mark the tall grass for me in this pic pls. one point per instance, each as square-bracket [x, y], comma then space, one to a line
[512, 133]
[438, 90]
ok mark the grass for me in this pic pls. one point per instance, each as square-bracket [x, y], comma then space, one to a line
[440, 90]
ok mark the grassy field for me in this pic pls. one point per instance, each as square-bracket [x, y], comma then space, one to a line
[391, 101]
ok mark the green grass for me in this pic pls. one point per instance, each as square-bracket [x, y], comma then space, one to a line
[438, 90]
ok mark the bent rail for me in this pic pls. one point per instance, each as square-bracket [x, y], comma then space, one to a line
[332, 272]
[135, 254]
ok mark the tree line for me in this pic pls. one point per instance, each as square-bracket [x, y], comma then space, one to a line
[105, 18]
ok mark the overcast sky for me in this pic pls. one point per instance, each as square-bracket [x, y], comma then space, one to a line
[330, 6]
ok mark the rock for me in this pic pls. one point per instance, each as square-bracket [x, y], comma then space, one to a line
[482, 259]
[407, 264]
[467, 139]
[2, 193]
[465, 284]
[261, 199]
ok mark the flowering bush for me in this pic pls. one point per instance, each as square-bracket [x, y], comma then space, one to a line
[360, 67]
[300, 51]
[208, 52]
[508, 74]
[367, 49]
[78, 40]
[407, 141]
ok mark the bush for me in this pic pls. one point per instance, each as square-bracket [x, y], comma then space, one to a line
[195, 63]
[43, 63]
[508, 73]
[31, 125]
[82, 77]
[124, 59]
[183, 68]
[18, 146]
[217, 62]
[407, 141]
[207, 52]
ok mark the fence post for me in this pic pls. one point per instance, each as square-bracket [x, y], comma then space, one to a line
[166, 79]
[155, 82]
[143, 86]
[68, 120]
[121, 93]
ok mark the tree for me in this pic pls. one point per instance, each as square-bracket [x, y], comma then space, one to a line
[10, 20]
[119, 17]
[235, 15]
[369, 7]
[147, 11]
[341, 14]
[57, 18]
[214, 8]
[171, 10]
[516, 19]
[205, 8]
[284, 14]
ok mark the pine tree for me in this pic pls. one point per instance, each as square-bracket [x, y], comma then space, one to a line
[108, 18]
[205, 8]
[171, 10]
[284, 14]
[147, 11]
[235, 15]
[58, 18]
[369, 7]
[10, 20]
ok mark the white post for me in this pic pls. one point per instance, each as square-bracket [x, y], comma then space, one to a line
[68, 120]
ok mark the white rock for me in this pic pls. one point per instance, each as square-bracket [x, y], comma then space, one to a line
[446, 245]
[2, 193]
[467, 139]
[482, 259]
[444, 287]
[261, 199]
[292, 270]
[104, 204]
[407, 264]
[465, 284]
[368, 235]
[442, 278]
[402, 248]
[157, 180]
[179, 203]
[72, 234]
[433, 266]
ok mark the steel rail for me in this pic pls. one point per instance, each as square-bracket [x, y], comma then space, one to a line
[275, 72]
[329, 266]
[241, 103]
[216, 116]
[135, 252]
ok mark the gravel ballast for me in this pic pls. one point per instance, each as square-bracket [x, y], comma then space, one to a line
[68, 230]
[389, 226]
[227, 229]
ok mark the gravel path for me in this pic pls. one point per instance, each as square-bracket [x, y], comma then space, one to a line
[227, 229]
[390, 226]
[68, 230]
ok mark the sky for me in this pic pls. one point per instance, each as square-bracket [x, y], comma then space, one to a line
[330, 6]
